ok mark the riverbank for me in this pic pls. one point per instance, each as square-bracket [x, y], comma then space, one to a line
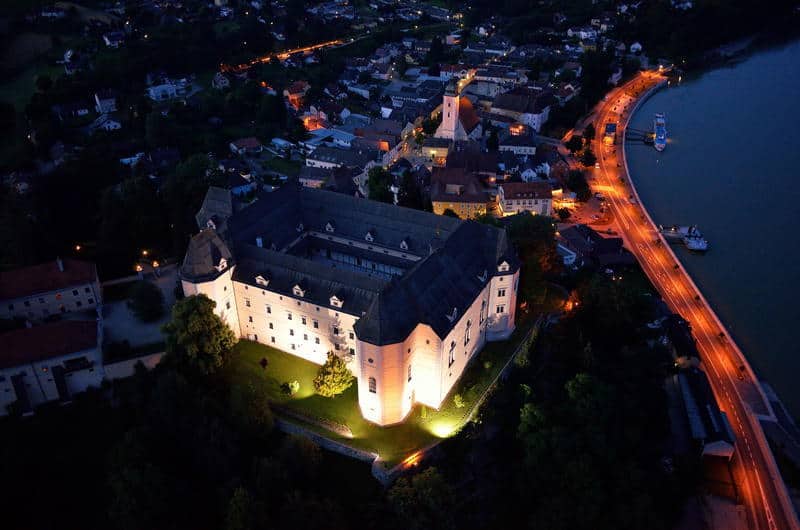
[761, 486]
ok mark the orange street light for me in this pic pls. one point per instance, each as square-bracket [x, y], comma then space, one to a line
[138, 267]
[77, 248]
[144, 253]
[155, 264]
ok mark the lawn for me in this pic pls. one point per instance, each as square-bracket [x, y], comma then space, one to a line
[289, 168]
[422, 427]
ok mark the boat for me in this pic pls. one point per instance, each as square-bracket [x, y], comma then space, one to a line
[660, 132]
[688, 235]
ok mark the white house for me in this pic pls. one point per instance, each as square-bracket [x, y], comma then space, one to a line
[518, 197]
[51, 362]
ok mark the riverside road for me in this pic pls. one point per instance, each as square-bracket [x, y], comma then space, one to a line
[738, 392]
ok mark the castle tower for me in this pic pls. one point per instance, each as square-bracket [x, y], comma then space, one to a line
[450, 121]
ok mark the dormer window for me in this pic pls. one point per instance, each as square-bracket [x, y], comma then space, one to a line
[503, 267]
[404, 244]
[329, 227]
[300, 227]
[260, 280]
[453, 315]
[370, 236]
[483, 276]
[223, 264]
[211, 224]
[298, 290]
[336, 301]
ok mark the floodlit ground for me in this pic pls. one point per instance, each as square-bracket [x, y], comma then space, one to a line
[332, 416]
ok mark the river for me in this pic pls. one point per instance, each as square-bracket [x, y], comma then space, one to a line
[732, 167]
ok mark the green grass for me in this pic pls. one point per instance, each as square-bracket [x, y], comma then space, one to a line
[422, 427]
[290, 168]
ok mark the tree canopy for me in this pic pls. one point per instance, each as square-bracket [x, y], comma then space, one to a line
[197, 339]
[333, 377]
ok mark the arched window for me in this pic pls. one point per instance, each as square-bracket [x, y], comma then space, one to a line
[373, 385]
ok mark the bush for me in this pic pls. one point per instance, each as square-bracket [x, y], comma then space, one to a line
[458, 401]
[333, 377]
[563, 213]
[146, 301]
[290, 388]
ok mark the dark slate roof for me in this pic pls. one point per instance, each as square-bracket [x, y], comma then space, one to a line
[45, 277]
[448, 279]
[203, 256]
[217, 206]
[454, 254]
[320, 281]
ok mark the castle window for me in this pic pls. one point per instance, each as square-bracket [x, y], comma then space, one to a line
[247, 302]
[260, 280]
[483, 311]
[272, 340]
[250, 319]
[227, 305]
[337, 346]
[336, 301]
[451, 357]
[316, 324]
[269, 310]
[305, 336]
[352, 335]
[329, 227]
[501, 292]
[316, 340]
[297, 290]
[271, 325]
[500, 309]
[291, 333]
[369, 237]
[468, 332]
[373, 385]
[336, 331]
[404, 245]
[352, 351]
[303, 320]
[289, 316]
[409, 373]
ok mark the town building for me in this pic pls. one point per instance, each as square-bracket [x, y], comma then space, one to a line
[56, 287]
[458, 190]
[518, 197]
[459, 119]
[406, 298]
[51, 362]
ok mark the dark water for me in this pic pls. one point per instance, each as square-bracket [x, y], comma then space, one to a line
[732, 166]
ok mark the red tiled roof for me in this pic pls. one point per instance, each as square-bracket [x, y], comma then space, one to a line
[527, 190]
[45, 277]
[251, 142]
[467, 115]
[29, 345]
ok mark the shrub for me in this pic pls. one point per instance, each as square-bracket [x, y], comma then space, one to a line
[458, 401]
[487, 365]
[290, 388]
[146, 301]
[333, 377]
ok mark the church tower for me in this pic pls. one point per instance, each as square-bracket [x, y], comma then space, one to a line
[450, 121]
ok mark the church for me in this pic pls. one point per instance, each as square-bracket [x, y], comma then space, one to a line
[460, 122]
[407, 298]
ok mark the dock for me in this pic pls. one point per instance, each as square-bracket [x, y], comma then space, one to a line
[689, 235]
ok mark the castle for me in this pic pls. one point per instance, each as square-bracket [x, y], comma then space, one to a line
[406, 298]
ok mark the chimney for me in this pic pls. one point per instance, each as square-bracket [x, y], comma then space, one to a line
[60, 264]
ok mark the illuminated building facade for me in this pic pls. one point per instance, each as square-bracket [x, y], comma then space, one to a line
[406, 298]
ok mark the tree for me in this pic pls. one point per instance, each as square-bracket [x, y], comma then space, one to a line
[493, 142]
[239, 515]
[378, 184]
[589, 132]
[8, 117]
[197, 339]
[574, 144]
[333, 377]
[450, 213]
[423, 501]
[576, 181]
[588, 158]
[250, 410]
[44, 83]
[563, 213]
[146, 301]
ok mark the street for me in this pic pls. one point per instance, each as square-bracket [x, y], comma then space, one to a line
[761, 488]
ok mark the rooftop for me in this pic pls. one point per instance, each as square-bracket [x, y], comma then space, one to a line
[45, 277]
[30, 345]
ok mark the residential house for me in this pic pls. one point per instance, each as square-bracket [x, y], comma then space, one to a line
[105, 101]
[525, 105]
[114, 39]
[51, 362]
[518, 197]
[220, 81]
[52, 288]
[246, 146]
[460, 191]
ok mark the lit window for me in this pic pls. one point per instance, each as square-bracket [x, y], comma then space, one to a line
[373, 385]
